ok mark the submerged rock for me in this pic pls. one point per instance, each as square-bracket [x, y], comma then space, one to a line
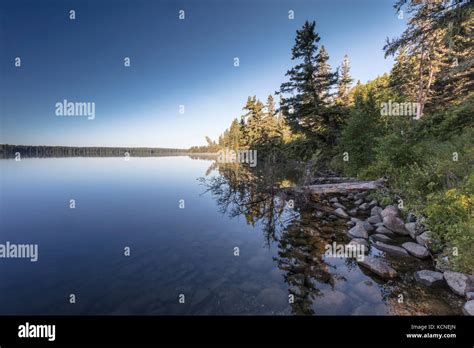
[416, 250]
[358, 231]
[391, 249]
[429, 278]
[459, 283]
[468, 308]
[378, 266]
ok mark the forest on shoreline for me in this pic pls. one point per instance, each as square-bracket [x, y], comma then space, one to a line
[412, 126]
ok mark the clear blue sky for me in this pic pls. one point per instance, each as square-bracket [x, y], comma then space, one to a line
[173, 62]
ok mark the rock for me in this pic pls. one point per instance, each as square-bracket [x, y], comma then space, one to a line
[442, 263]
[333, 200]
[459, 283]
[423, 239]
[356, 220]
[411, 228]
[341, 213]
[368, 227]
[375, 219]
[378, 266]
[381, 238]
[350, 223]
[359, 202]
[391, 249]
[390, 210]
[359, 195]
[350, 195]
[376, 211]
[395, 224]
[468, 308]
[373, 203]
[416, 250]
[385, 231]
[411, 217]
[470, 295]
[429, 278]
[364, 206]
[339, 205]
[353, 212]
[358, 231]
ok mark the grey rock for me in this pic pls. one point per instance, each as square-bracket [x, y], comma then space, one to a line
[391, 249]
[376, 211]
[350, 223]
[413, 229]
[385, 231]
[375, 219]
[423, 239]
[362, 242]
[416, 250]
[459, 283]
[378, 266]
[395, 224]
[359, 202]
[358, 231]
[429, 278]
[333, 200]
[353, 219]
[353, 212]
[360, 195]
[468, 308]
[341, 213]
[339, 205]
[390, 210]
[411, 217]
[470, 295]
[368, 227]
[381, 238]
[373, 203]
[364, 206]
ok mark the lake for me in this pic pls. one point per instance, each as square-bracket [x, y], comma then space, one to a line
[231, 249]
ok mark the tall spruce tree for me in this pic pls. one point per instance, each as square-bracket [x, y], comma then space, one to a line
[344, 83]
[307, 95]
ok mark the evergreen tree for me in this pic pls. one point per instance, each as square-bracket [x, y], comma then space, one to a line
[344, 83]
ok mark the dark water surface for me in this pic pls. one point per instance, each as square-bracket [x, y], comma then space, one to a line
[177, 251]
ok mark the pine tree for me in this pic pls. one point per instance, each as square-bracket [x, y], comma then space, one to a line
[344, 83]
[307, 94]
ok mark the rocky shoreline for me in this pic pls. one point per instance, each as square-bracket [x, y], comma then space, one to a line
[383, 228]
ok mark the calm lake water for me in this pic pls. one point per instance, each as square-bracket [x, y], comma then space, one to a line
[177, 251]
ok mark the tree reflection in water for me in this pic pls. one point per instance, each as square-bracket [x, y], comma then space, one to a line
[300, 235]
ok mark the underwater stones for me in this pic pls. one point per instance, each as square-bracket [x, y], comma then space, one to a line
[378, 266]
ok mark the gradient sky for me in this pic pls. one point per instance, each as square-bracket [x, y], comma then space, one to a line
[173, 62]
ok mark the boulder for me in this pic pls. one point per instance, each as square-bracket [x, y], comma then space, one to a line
[459, 283]
[338, 205]
[368, 227]
[412, 229]
[358, 231]
[411, 217]
[429, 278]
[468, 308]
[373, 203]
[364, 206]
[378, 266]
[350, 223]
[341, 213]
[381, 238]
[423, 239]
[470, 295]
[353, 212]
[390, 210]
[395, 224]
[375, 219]
[391, 249]
[376, 211]
[416, 250]
[333, 200]
[359, 202]
[385, 231]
